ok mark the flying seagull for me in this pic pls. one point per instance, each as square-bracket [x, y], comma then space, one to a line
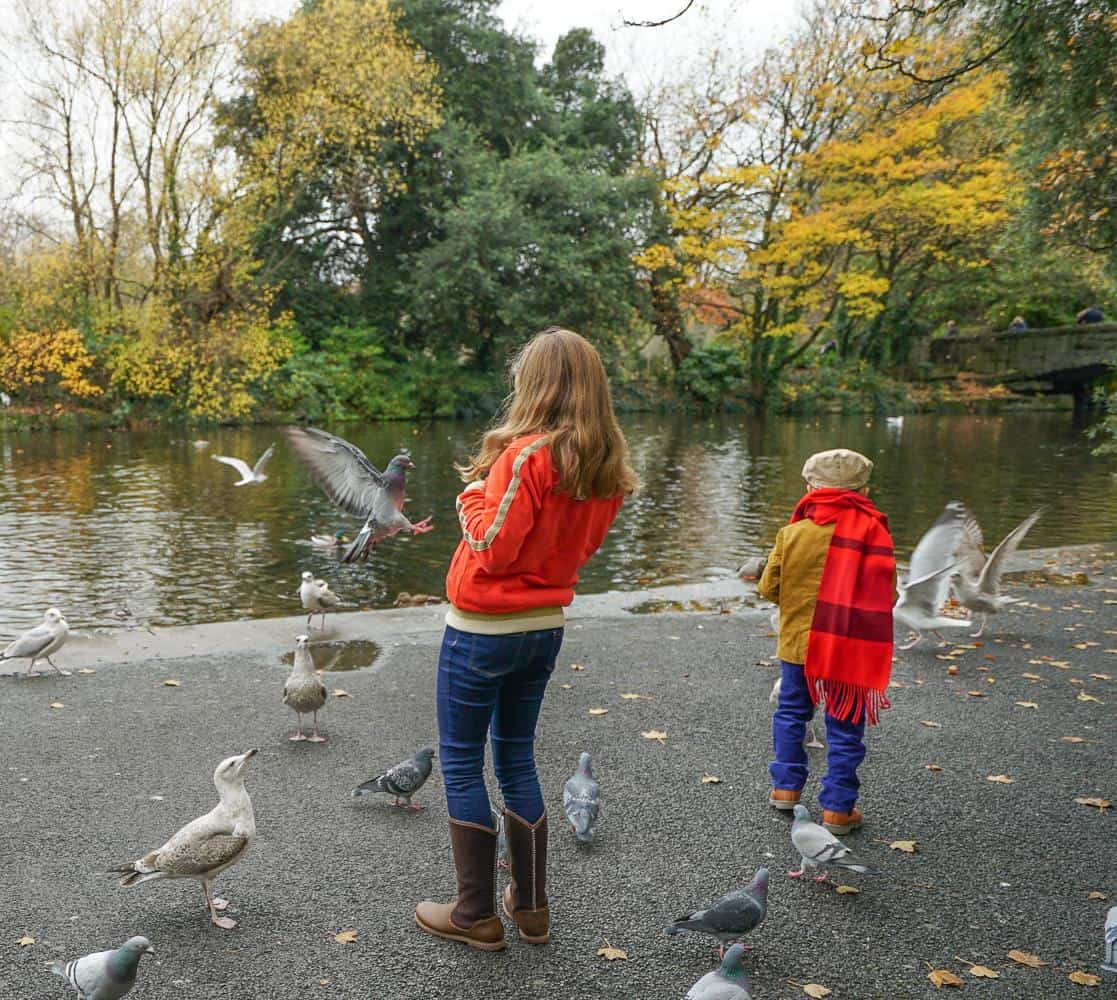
[978, 580]
[248, 477]
[105, 975]
[38, 643]
[922, 596]
[352, 482]
[205, 847]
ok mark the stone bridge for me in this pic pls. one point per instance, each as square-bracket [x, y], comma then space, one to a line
[1057, 359]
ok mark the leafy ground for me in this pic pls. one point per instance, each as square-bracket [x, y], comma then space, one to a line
[1012, 864]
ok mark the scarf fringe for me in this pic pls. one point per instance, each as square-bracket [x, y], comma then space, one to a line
[848, 701]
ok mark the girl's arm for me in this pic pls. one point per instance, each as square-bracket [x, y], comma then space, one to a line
[497, 515]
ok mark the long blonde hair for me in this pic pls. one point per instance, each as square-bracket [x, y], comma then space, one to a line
[559, 388]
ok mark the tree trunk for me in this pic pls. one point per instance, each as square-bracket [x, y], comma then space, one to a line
[668, 319]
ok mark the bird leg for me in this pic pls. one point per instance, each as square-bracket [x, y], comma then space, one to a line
[323, 626]
[822, 877]
[914, 642]
[30, 672]
[795, 874]
[225, 923]
[299, 730]
[414, 808]
[61, 673]
[984, 622]
[316, 738]
[423, 526]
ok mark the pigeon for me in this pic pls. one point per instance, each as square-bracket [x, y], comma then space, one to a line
[402, 781]
[248, 477]
[725, 983]
[581, 801]
[105, 975]
[977, 583]
[922, 596]
[317, 597]
[819, 848]
[352, 482]
[732, 916]
[205, 847]
[334, 541]
[304, 692]
[38, 643]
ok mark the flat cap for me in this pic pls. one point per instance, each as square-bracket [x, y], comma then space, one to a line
[838, 469]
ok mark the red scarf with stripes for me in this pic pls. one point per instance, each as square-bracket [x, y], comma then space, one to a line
[849, 651]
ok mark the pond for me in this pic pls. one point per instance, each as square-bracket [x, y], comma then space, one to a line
[145, 528]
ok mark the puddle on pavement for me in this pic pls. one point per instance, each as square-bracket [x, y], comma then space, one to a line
[723, 605]
[336, 657]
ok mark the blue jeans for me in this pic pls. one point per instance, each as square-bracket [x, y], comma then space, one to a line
[845, 745]
[497, 682]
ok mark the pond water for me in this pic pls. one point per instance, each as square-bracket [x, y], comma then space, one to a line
[126, 529]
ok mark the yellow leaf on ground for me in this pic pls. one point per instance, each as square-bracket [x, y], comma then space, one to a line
[1001, 779]
[711, 779]
[171, 684]
[816, 990]
[1072, 739]
[568, 687]
[577, 666]
[56, 704]
[1097, 677]
[87, 670]
[655, 734]
[976, 694]
[932, 767]
[907, 846]
[26, 941]
[630, 696]
[944, 977]
[1026, 704]
[1032, 677]
[599, 711]
[1083, 696]
[340, 693]
[1084, 978]
[345, 937]
[983, 972]
[847, 890]
[1096, 895]
[1096, 803]
[929, 724]
[1026, 958]
[611, 954]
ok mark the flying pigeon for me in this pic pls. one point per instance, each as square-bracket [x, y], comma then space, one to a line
[922, 596]
[248, 477]
[403, 780]
[38, 643]
[352, 482]
[317, 597]
[581, 800]
[819, 848]
[304, 692]
[105, 975]
[725, 983]
[977, 583]
[205, 847]
[732, 916]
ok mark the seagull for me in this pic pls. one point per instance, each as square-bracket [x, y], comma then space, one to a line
[38, 643]
[977, 583]
[104, 975]
[352, 482]
[928, 582]
[208, 845]
[248, 477]
[316, 597]
[200, 444]
[304, 692]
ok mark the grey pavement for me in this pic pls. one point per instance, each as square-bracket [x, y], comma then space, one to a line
[127, 760]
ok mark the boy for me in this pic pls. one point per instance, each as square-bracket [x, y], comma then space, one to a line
[832, 573]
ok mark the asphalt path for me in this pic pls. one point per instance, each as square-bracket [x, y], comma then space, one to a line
[126, 760]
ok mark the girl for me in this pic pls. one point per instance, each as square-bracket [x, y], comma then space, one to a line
[542, 493]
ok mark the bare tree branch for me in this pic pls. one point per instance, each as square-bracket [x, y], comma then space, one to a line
[657, 24]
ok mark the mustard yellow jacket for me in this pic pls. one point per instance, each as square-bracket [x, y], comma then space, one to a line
[791, 579]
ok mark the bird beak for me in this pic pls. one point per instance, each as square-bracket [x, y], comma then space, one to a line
[149, 950]
[245, 758]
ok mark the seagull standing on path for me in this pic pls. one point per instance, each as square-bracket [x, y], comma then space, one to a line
[922, 596]
[248, 477]
[205, 847]
[317, 597]
[38, 643]
[105, 975]
[352, 482]
[978, 580]
[304, 692]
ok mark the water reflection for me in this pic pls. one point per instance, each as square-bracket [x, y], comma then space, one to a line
[127, 529]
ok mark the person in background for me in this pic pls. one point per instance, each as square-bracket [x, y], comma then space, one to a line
[1091, 314]
[952, 329]
[832, 572]
[543, 491]
[1018, 323]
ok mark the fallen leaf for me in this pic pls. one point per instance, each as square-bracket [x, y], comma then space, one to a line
[952, 671]
[630, 696]
[1097, 677]
[932, 767]
[847, 890]
[1061, 664]
[816, 990]
[976, 694]
[611, 954]
[56, 704]
[930, 724]
[171, 684]
[345, 937]
[1027, 958]
[711, 779]
[655, 734]
[1026, 704]
[1072, 739]
[944, 977]
[1083, 696]
[26, 941]
[979, 971]
[1084, 978]
[577, 666]
[907, 846]
[1102, 804]
[1031, 677]
[340, 693]
[87, 670]
[1080, 645]
[1096, 895]
[1001, 779]
[568, 687]
[1078, 681]
[599, 711]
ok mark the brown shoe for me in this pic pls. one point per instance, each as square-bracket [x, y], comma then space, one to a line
[784, 799]
[839, 823]
[471, 918]
[525, 896]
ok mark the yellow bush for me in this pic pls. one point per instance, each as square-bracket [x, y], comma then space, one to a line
[31, 358]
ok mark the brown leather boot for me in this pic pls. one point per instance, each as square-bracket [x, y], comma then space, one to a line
[841, 823]
[525, 896]
[471, 918]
